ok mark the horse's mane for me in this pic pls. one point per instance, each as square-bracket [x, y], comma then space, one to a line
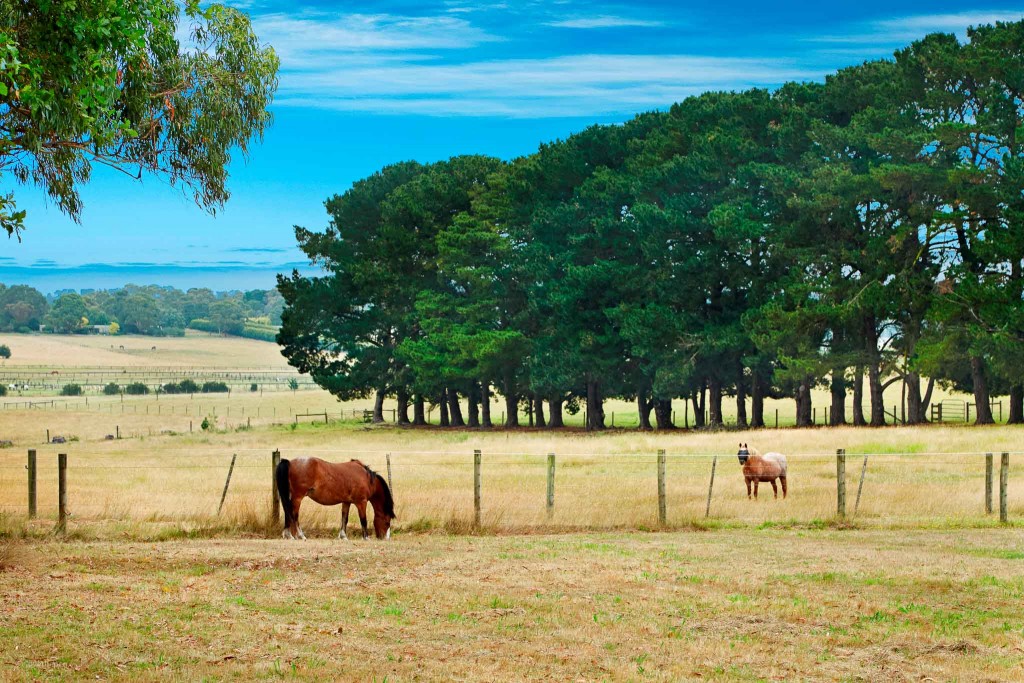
[388, 504]
[753, 451]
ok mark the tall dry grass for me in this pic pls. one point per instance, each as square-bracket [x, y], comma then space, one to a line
[928, 476]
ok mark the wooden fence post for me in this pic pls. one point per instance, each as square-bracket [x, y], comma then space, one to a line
[551, 485]
[227, 482]
[662, 509]
[31, 483]
[275, 498]
[390, 485]
[476, 487]
[988, 483]
[1004, 480]
[841, 483]
[711, 486]
[62, 493]
[860, 486]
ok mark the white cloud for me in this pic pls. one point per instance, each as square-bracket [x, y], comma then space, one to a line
[902, 30]
[606, 21]
[579, 85]
[315, 39]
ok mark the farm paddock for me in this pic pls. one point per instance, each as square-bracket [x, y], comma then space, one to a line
[751, 604]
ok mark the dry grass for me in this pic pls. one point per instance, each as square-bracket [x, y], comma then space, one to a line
[720, 605]
[916, 477]
[101, 351]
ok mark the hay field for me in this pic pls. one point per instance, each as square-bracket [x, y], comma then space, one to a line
[155, 487]
[102, 351]
[729, 605]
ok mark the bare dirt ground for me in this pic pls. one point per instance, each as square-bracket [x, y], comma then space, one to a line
[720, 605]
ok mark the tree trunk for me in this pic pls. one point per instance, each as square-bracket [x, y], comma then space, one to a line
[803, 405]
[454, 409]
[474, 405]
[556, 421]
[1016, 415]
[699, 400]
[378, 407]
[539, 411]
[443, 403]
[643, 408]
[511, 407]
[915, 406]
[663, 413]
[858, 397]
[419, 413]
[756, 401]
[837, 414]
[595, 409]
[981, 397]
[741, 396]
[715, 400]
[485, 405]
[403, 406]
[927, 398]
[875, 392]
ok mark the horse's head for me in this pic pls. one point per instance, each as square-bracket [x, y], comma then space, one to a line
[743, 454]
[383, 507]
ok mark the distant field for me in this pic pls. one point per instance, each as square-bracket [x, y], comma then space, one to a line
[734, 605]
[102, 351]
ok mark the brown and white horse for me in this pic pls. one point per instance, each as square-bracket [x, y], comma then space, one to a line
[328, 483]
[758, 468]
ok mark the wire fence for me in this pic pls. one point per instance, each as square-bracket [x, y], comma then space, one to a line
[516, 490]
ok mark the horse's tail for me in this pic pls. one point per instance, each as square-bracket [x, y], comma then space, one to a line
[284, 490]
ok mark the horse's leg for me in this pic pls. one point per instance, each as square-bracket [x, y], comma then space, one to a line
[344, 520]
[747, 480]
[361, 509]
[295, 530]
[775, 489]
[782, 479]
[756, 482]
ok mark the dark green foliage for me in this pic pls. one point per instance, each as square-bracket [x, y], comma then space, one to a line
[5, 351]
[863, 231]
[112, 389]
[215, 388]
[71, 390]
[136, 389]
[185, 386]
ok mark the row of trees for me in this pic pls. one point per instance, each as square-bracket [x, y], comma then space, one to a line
[850, 234]
[151, 310]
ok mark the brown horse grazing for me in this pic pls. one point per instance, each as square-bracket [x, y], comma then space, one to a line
[758, 468]
[329, 483]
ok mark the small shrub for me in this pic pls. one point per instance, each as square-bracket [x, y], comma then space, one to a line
[215, 388]
[3, 389]
[5, 351]
[136, 389]
[112, 389]
[72, 390]
[170, 388]
[207, 424]
[293, 384]
[254, 387]
[187, 386]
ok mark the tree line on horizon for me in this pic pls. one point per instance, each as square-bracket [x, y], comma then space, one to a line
[849, 234]
[148, 310]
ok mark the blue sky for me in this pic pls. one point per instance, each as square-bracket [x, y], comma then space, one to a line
[364, 84]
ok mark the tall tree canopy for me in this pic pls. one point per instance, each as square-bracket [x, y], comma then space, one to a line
[862, 231]
[108, 82]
